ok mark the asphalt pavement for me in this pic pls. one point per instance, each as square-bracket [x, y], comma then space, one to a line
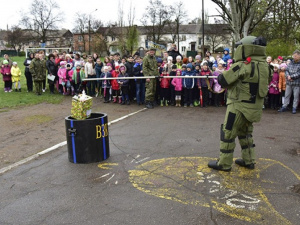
[157, 174]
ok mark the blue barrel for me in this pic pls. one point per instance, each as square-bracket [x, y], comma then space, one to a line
[88, 140]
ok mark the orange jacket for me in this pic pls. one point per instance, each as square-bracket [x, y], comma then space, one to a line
[282, 81]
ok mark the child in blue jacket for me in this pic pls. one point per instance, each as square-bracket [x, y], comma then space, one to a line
[188, 85]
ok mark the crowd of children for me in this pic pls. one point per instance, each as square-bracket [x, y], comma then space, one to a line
[67, 72]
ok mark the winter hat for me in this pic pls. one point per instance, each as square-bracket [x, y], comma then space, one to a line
[5, 62]
[122, 68]
[283, 65]
[183, 66]
[280, 58]
[117, 67]
[185, 60]
[170, 58]
[108, 64]
[197, 64]
[174, 67]
[178, 57]
[198, 57]
[159, 60]
[204, 63]
[15, 63]
[62, 63]
[190, 65]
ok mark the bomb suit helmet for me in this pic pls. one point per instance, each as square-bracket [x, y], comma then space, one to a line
[252, 40]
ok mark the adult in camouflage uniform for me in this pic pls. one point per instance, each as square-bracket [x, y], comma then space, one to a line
[150, 69]
[38, 70]
[247, 85]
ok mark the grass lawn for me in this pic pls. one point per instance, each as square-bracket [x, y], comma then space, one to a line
[14, 99]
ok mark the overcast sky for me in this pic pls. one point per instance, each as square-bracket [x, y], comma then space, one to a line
[107, 10]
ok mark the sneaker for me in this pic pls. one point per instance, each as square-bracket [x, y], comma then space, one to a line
[294, 110]
[282, 109]
[5, 91]
[191, 105]
[185, 105]
[9, 90]
[242, 163]
[44, 90]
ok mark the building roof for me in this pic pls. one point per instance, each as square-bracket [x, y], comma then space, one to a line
[183, 29]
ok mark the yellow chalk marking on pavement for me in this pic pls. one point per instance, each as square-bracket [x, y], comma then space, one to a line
[188, 180]
[107, 166]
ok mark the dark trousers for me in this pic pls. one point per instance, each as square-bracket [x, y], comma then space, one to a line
[274, 101]
[165, 94]
[115, 92]
[196, 93]
[106, 94]
[188, 96]
[132, 90]
[172, 96]
[7, 85]
[91, 85]
[29, 82]
[205, 96]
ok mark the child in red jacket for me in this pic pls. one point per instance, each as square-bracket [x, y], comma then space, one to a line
[115, 86]
[164, 88]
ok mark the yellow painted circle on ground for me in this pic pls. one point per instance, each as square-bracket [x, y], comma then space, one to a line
[188, 180]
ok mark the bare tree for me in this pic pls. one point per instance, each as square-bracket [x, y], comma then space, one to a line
[243, 15]
[81, 27]
[198, 20]
[43, 16]
[131, 15]
[180, 15]
[16, 38]
[155, 19]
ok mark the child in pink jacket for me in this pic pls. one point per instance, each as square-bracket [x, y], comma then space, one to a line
[177, 83]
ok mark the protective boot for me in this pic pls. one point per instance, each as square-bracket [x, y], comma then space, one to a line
[166, 102]
[242, 163]
[177, 103]
[114, 99]
[214, 165]
[120, 99]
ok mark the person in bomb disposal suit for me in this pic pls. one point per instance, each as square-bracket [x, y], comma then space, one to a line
[150, 69]
[247, 84]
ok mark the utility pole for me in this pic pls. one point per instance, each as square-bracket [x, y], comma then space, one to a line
[203, 55]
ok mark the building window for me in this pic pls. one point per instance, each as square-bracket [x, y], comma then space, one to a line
[80, 48]
[183, 37]
[183, 48]
[80, 38]
[200, 40]
[113, 38]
